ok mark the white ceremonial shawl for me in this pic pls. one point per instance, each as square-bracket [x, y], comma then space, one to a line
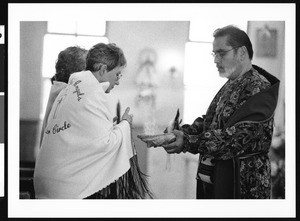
[54, 91]
[82, 151]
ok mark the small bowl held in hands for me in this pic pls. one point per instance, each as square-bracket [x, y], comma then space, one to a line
[158, 139]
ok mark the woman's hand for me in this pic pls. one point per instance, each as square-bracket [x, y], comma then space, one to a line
[127, 116]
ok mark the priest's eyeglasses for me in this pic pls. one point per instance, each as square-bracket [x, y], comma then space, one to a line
[220, 54]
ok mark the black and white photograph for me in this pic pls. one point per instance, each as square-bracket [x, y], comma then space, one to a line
[151, 110]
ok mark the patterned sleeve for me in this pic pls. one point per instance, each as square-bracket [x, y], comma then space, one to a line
[192, 130]
[241, 138]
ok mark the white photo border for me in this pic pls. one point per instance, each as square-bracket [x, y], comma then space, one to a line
[147, 208]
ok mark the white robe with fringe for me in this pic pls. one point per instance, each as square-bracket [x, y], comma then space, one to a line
[81, 151]
[54, 91]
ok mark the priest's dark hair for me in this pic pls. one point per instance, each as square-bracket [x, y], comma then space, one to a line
[235, 38]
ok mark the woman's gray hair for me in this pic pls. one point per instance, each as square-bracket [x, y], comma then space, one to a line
[105, 54]
[69, 61]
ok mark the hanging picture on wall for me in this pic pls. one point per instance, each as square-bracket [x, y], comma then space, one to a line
[266, 40]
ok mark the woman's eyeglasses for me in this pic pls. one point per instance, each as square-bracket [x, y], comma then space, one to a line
[119, 75]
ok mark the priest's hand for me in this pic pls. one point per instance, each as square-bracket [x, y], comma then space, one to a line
[177, 145]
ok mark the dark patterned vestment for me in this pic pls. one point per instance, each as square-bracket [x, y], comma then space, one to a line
[236, 133]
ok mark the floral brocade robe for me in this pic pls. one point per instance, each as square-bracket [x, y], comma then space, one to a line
[246, 140]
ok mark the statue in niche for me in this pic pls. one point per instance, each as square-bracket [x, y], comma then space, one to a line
[146, 79]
